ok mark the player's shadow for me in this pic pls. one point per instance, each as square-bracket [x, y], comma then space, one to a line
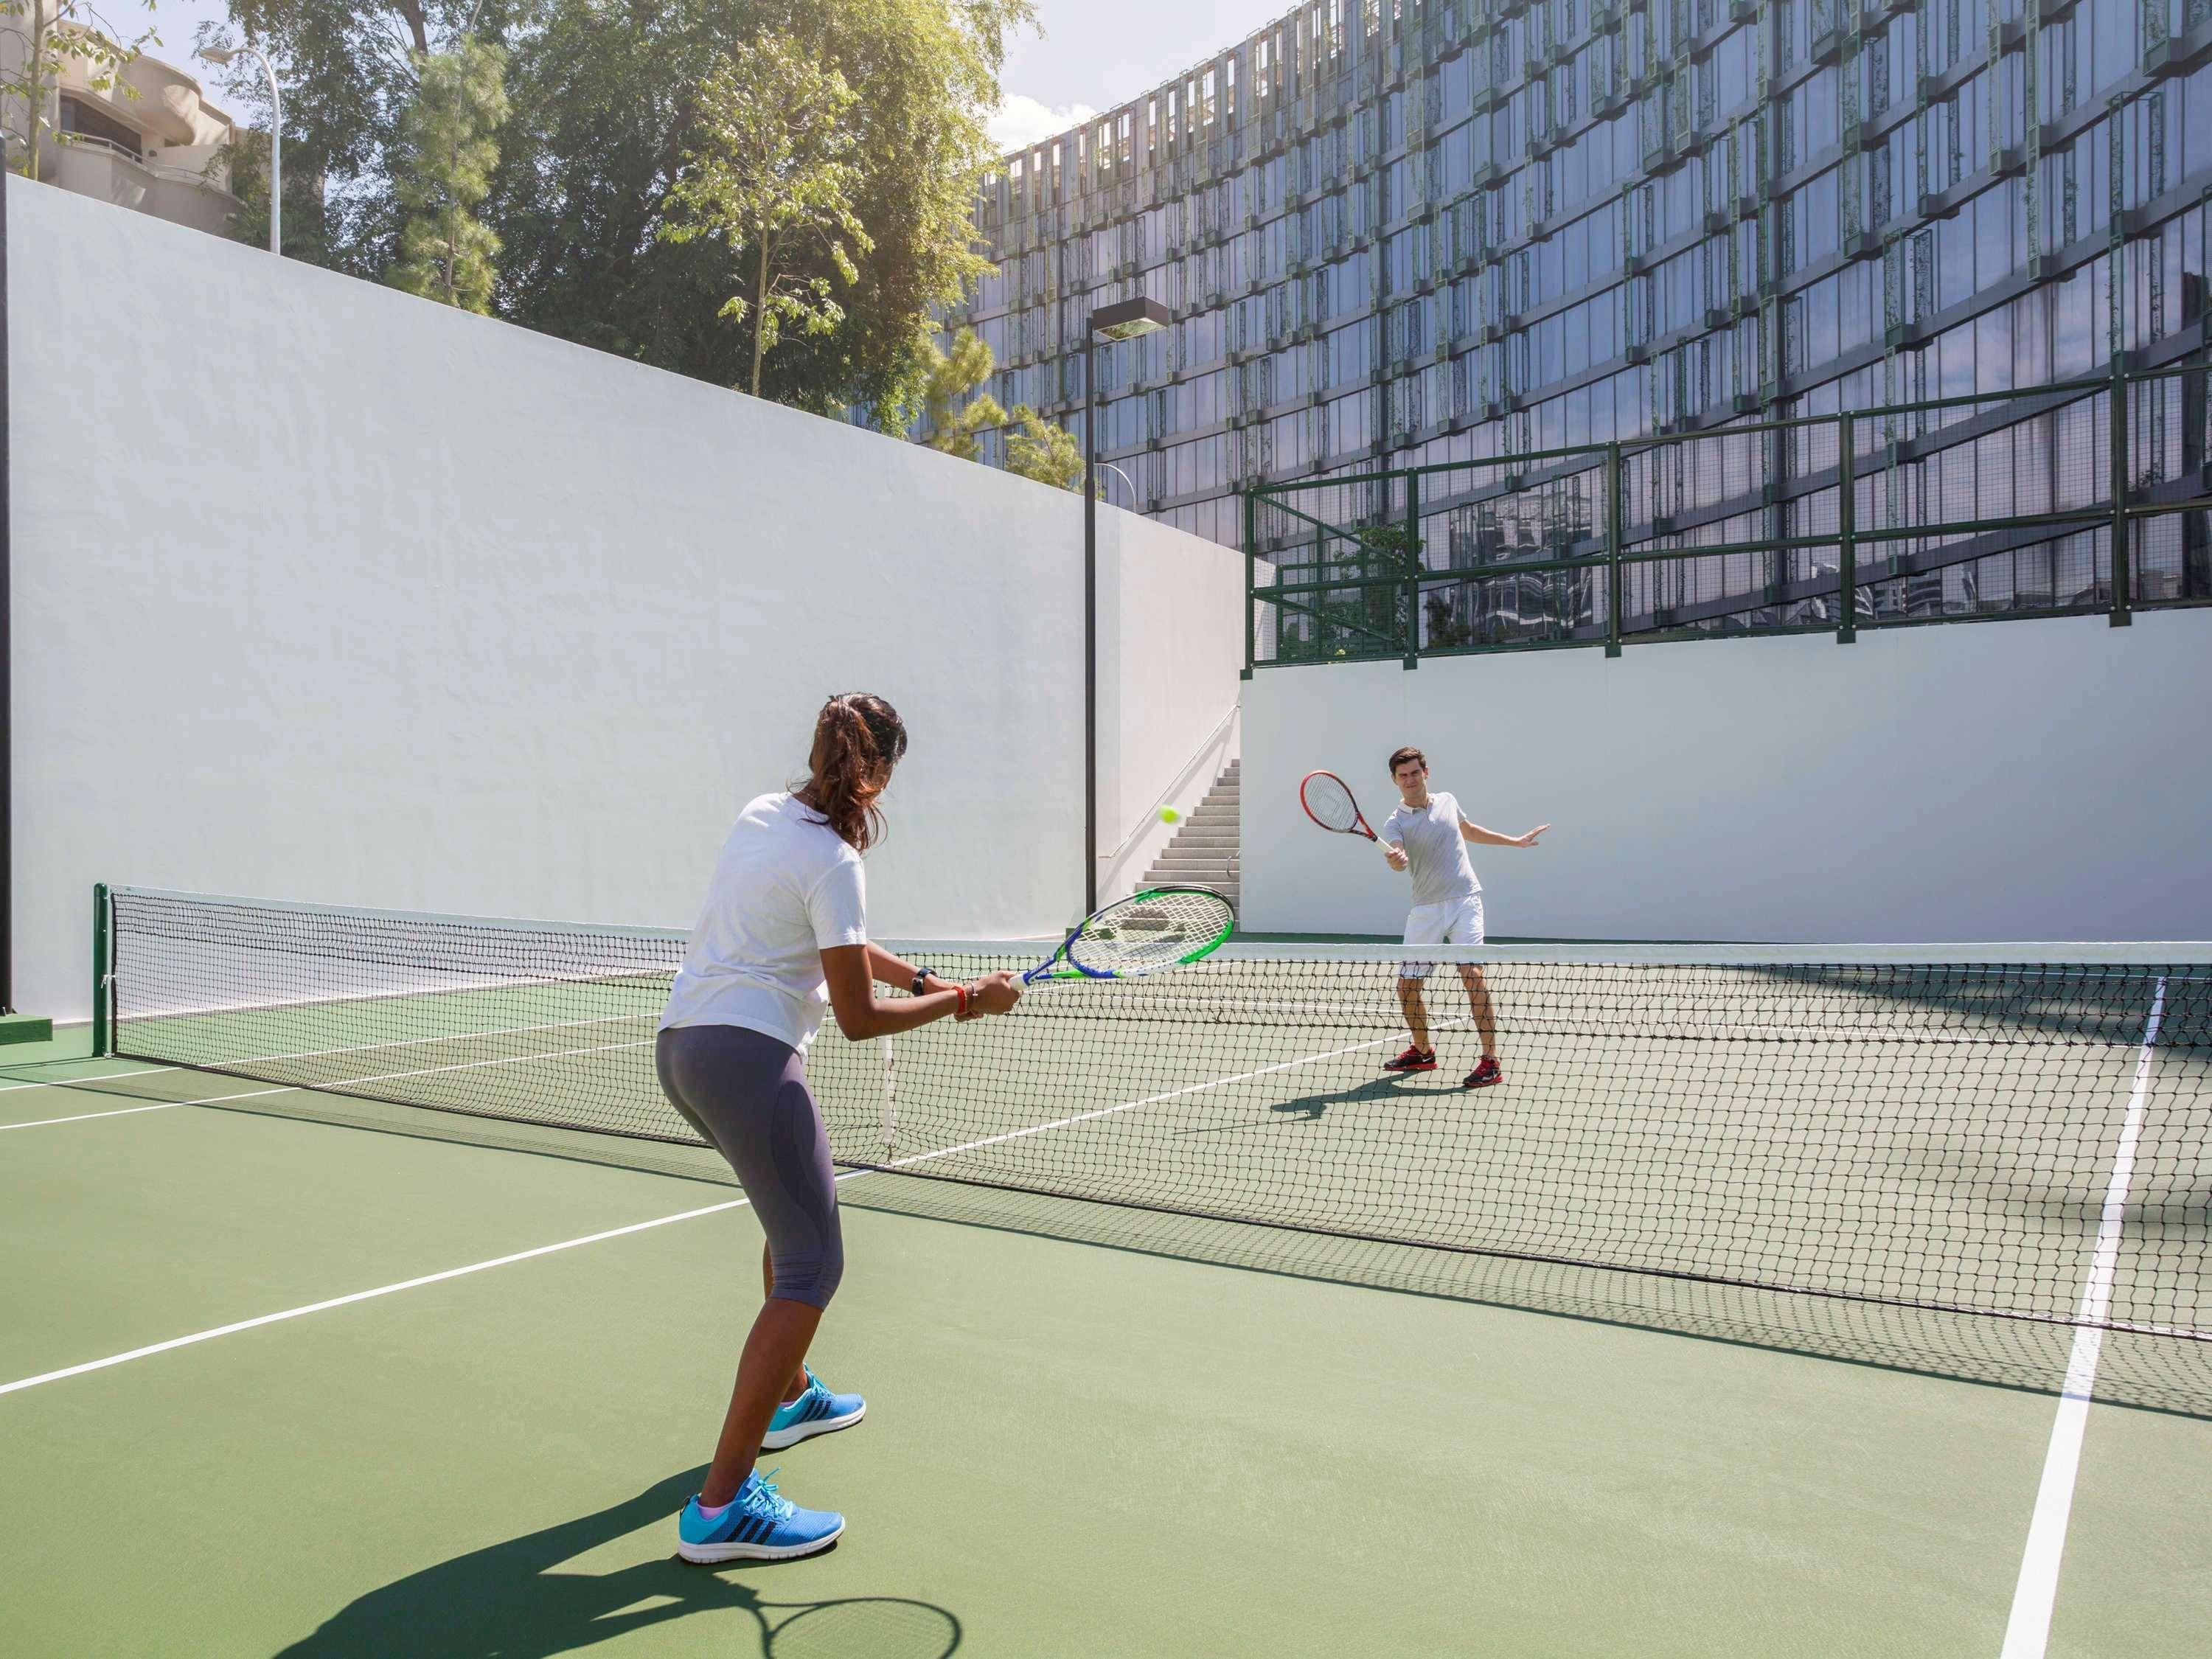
[511, 1600]
[1313, 1108]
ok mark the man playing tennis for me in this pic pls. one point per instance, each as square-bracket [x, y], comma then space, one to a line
[1428, 836]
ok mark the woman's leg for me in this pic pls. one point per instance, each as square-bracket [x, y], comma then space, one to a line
[796, 1386]
[748, 1093]
[775, 1348]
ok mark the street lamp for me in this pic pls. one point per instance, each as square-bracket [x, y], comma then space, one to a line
[1125, 319]
[223, 55]
[1127, 482]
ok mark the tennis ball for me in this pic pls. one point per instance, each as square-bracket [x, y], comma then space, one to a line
[1169, 814]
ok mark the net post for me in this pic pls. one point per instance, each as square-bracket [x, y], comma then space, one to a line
[103, 1038]
[2123, 612]
[1413, 568]
[1847, 529]
[1613, 550]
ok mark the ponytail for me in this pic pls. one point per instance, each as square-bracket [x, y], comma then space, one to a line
[858, 739]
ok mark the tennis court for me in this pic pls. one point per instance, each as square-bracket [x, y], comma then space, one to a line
[369, 1277]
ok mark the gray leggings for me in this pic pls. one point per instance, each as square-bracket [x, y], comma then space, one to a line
[747, 1093]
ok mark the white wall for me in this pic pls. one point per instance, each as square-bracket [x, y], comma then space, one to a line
[2046, 779]
[452, 616]
[1178, 613]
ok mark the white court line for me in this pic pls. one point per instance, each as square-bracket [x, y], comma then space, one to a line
[1149, 1100]
[618, 1232]
[312, 1054]
[2028, 1630]
[97, 1077]
[360, 1295]
[335, 1085]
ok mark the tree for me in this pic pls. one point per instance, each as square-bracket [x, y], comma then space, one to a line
[605, 113]
[1038, 449]
[449, 147]
[605, 104]
[951, 376]
[350, 71]
[54, 33]
[770, 173]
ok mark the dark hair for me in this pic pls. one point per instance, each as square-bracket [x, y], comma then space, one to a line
[1400, 756]
[858, 739]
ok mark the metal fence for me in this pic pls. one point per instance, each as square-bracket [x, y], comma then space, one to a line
[2084, 496]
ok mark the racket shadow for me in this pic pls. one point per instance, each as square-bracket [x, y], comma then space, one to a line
[512, 1599]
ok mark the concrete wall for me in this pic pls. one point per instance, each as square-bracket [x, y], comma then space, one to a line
[447, 615]
[1176, 605]
[2044, 780]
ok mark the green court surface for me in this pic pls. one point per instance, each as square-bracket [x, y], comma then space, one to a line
[1091, 1432]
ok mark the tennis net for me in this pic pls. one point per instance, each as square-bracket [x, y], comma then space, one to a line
[2027, 1138]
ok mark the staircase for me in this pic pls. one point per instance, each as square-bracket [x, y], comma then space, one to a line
[1204, 852]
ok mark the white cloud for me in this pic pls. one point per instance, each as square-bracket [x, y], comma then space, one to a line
[1021, 121]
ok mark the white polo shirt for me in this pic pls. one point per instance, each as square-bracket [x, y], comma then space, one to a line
[786, 888]
[1436, 852]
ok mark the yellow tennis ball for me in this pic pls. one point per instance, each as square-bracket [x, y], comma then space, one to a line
[1169, 814]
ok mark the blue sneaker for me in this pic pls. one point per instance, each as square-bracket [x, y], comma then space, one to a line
[816, 1411]
[759, 1526]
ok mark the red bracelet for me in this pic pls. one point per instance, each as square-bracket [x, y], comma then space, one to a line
[960, 1002]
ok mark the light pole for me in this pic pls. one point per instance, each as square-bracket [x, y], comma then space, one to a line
[1127, 482]
[223, 55]
[1125, 319]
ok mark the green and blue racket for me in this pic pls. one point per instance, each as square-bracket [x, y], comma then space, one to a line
[1159, 928]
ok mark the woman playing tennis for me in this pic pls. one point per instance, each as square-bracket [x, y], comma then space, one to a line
[784, 929]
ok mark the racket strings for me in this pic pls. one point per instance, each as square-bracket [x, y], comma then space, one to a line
[1330, 802]
[1153, 930]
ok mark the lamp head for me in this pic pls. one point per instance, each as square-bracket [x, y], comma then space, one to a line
[1126, 319]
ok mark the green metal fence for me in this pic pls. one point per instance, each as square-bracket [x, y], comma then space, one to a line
[2085, 497]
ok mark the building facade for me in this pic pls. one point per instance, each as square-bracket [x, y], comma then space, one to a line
[149, 140]
[1406, 232]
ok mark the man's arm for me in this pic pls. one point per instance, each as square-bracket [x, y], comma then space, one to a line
[1475, 832]
[1393, 853]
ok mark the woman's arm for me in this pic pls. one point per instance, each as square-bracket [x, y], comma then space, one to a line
[1492, 838]
[861, 1014]
[888, 969]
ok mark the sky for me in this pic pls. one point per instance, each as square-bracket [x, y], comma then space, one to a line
[1092, 54]
[1095, 53]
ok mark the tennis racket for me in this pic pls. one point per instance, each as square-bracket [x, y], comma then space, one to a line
[1329, 804]
[1161, 927]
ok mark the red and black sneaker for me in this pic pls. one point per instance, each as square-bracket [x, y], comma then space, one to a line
[1413, 1059]
[1484, 1075]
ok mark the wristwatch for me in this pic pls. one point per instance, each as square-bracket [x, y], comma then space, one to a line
[918, 980]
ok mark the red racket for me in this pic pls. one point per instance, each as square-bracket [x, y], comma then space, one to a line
[1329, 804]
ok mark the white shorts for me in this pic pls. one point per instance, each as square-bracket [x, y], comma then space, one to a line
[1456, 922]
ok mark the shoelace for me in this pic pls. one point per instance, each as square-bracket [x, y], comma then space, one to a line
[763, 1499]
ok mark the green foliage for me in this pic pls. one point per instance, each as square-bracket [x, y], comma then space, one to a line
[1038, 449]
[770, 175]
[448, 149]
[607, 102]
[55, 31]
[606, 111]
[950, 377]
[350, 71]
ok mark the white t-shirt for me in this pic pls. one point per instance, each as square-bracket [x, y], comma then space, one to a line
[786, 888]
[1435, 850]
